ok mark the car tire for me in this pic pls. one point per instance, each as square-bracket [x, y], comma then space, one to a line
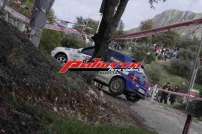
[117, 86]
[132, 98]
[61, 58]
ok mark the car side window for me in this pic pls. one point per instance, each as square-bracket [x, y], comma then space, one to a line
[114, 57]
[88, 51]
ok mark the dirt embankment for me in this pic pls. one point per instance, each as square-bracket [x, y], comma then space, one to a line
[27, 77]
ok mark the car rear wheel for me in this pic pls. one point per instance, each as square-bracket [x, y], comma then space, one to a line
[117, 86]
[61, 58]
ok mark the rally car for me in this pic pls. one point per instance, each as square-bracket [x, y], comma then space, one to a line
[133, 84]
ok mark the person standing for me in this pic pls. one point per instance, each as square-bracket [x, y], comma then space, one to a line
[173, 96]
[164, 95]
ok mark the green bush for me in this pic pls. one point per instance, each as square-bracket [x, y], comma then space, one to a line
[187, 54]
[72, 41]
[152, 71]
[199, 77]
[168, 39]
[142, 52]
[50, 39]
[158, 73]
[149, 58]
[198, 87]
[195, 108]
[181, 67]
[201, 92]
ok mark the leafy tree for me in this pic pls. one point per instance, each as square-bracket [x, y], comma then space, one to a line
[183, 66]
[50, 39]
[143, 53]
[71, 41]
[168, 39]
[89, 26]
[146, 25]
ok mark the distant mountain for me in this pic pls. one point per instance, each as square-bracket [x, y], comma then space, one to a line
[175, 16]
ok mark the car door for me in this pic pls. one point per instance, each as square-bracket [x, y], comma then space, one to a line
[106, 76]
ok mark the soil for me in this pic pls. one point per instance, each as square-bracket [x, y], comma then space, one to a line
[28, 77]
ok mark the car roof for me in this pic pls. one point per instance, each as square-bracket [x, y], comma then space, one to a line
[122, 57]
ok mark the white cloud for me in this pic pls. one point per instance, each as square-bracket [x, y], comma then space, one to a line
[136, 11]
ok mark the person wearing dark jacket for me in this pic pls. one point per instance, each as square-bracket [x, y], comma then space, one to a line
[172, 96]
[164, 95]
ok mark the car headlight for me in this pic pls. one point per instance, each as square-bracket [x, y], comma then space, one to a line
[141, 91]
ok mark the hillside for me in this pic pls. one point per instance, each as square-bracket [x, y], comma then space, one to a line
[35, 99]
[175, 16]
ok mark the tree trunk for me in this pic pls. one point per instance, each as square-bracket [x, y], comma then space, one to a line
[3, 4]
[113, 10]
[39, 19]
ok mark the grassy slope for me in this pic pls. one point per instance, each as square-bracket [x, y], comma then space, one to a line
[76, 127]
[158, 73]
[22, 101]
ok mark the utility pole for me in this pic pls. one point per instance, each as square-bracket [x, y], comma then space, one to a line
[39, 19]
[192, 82]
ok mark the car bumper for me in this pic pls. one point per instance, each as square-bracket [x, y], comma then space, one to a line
[137, 93]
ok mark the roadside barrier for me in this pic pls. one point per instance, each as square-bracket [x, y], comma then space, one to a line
[182, 95]
[54, 26]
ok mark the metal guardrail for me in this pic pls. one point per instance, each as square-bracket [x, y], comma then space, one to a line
[26, 20]
[182, 95]
[151, 32]
[17, 15]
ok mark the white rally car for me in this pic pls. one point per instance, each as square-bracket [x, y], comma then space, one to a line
[63, 54]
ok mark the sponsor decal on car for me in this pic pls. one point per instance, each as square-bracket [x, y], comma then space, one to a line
[98, 65]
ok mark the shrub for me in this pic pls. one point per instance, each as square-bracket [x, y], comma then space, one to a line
[72, 41]
[153, 72]
[158, 73]
[50, 39]
[199, 77]
[150, 58]
[181, 67]
[142, 52]
[195, 108]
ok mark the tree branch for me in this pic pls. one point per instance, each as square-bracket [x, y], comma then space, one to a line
[120, 10]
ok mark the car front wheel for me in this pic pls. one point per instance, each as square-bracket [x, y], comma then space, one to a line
[117, 86]
[61, 58]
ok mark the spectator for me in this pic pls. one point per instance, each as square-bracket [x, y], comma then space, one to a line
[164, 95]
[172, 96]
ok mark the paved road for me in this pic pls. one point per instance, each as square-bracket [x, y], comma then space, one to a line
[163, 120]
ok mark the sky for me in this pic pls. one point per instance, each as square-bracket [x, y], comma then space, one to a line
[136, 11]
